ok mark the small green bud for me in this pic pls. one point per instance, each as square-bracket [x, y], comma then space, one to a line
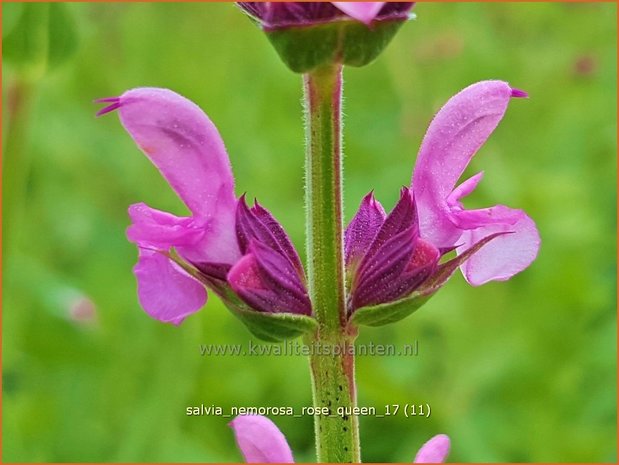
[315, 34]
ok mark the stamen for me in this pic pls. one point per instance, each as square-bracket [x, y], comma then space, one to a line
[517, 93]
[114, 102]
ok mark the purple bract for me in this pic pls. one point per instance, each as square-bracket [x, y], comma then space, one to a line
[385, 255]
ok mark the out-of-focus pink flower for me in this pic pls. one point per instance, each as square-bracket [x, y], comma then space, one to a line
[260, 441]
[435, 450]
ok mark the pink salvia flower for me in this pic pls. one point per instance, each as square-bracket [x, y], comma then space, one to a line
[386, 263]
[457, 131]
[260, 441]
[186, 147]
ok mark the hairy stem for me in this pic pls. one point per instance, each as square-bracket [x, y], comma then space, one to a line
[332, 359]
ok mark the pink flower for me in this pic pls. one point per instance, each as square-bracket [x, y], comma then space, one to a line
[390, 256]
[457, 131]
[232, 248]
[260, 441]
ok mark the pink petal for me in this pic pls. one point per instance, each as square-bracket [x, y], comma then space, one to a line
[165, 291]
[472, 219]
[504, 256]
[361, 11]
[162, 230]
[434, 451]
[457, 131]
[260, 440]
[186, 148]
[198, 243]
[464, 189]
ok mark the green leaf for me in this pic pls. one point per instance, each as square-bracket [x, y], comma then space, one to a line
[26, 45]
[11, 11]
[272, 327]
[63, 37]
[349, 42]
[44, 37]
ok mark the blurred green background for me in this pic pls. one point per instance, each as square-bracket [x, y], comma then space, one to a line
[518, 371]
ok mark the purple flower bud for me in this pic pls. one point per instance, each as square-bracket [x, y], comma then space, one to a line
[280, 15]
[308, 35]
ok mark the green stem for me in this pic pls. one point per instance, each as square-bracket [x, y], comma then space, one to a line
[332, 360]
